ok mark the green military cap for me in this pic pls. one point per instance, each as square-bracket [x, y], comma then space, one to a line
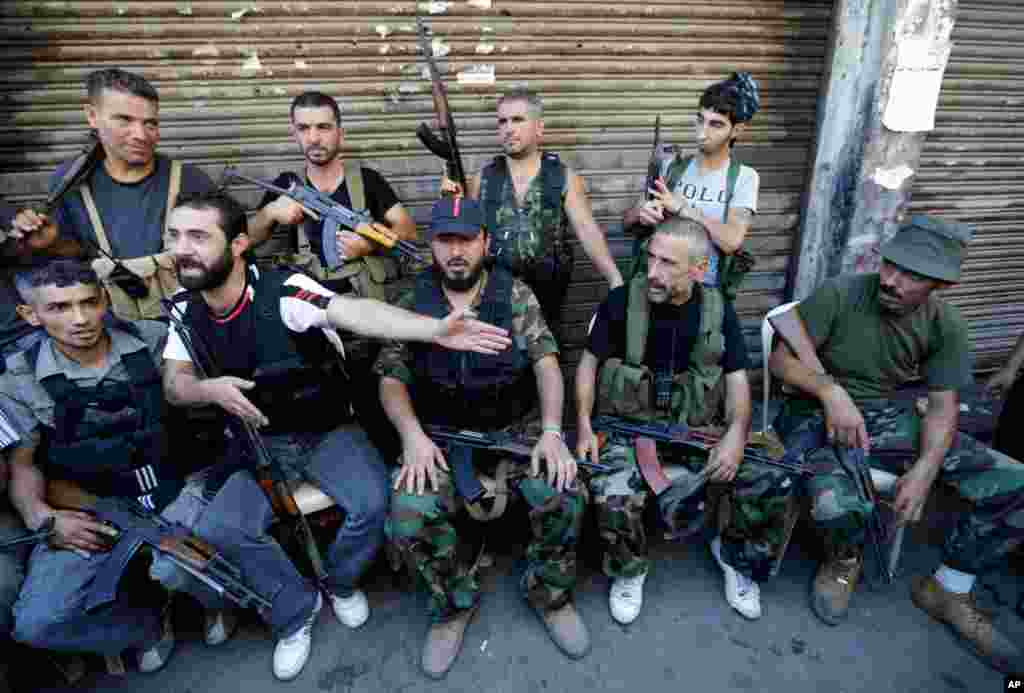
[929, 246]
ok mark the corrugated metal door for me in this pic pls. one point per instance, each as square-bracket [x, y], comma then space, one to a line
[970, 170]
[227, 71]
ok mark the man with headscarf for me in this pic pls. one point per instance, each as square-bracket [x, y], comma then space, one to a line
[710, 186]
[873, 333]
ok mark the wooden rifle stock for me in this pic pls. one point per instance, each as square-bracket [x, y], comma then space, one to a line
[446, 147]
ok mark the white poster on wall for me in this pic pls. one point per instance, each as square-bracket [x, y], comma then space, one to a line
[914, 91]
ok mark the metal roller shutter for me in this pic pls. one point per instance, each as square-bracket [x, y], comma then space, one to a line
[226, 72]
[970, 171]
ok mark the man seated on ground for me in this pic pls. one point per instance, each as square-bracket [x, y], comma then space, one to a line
[90, 406]
[874, 333]
[485, 393]
[666, 325]
[284, 378]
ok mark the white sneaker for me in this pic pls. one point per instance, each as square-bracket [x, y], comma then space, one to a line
[742, 593]
[154, 658]
[353, 610]
[219, 625]
[291, 653]
[625, 598]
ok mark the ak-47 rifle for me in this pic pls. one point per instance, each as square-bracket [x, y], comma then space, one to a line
[791, 328]
[461, 442]
[654, 163]
[137, 527]
[681, 434]
[41, 534]
[274, 482]
[446, 146]
[77, 172]
[317, 205]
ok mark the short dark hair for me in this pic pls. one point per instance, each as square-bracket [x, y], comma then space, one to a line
[315, 99]
[61, 272]
[534, 102]
[231, 214]
[721, 97]
[117, 79]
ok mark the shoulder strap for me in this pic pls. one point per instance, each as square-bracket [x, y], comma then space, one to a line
[730, 185]
[173, 188]
[676, 169]
[492, 180]
[94, 218]
[637, 320]
[552, 178]
[354, 182]
[712, 310]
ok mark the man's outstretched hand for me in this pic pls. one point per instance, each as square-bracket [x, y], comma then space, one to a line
[461, 331]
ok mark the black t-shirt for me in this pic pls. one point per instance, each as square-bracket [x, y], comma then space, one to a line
[670, 337]
[379, 199]
[132, 213]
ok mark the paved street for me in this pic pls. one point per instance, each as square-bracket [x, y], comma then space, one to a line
[687, 638]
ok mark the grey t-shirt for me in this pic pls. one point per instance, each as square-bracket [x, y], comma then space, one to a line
[707, 193]
[132, 213]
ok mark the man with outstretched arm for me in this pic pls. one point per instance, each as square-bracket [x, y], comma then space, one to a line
[499, 392]
[873, 333]
[273, 336]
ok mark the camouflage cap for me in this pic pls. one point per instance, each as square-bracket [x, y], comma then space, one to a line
[929, 246]
[455, 215]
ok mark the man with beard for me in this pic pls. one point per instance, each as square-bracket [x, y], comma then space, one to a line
[123, 204]
[284, 378]
[529, 197]
[481, 393]
[316, 127]
[711, 186]
[89, 402]
[667, 328]
[873, 333]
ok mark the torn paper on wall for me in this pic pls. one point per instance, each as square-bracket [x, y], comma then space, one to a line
[916, 81]
[477, 75]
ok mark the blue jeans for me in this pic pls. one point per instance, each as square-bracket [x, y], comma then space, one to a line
[12, 565]
[345, 466]
[49, 613]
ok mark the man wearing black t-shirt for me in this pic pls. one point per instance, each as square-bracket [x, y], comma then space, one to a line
[316, 127]
[666, 332]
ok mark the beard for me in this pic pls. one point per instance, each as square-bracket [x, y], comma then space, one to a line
[462, 278]
[320, 156]
[209, 277]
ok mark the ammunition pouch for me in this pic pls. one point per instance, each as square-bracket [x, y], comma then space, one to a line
[625, 390]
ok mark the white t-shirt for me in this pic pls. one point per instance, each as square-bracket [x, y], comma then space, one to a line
[707, 193]
[176, 351]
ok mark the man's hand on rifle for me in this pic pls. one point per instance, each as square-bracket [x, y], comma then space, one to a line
[32, 228]
[725, 458]
[671, 204]
[843, 420]
[587, 445]
[285, 211]
[421, 459]
[226, 393]
[912, 492]
[1001, 380]
[650, 213]
[559, 462]
[450, 187]
[78, 531]
[461, 331]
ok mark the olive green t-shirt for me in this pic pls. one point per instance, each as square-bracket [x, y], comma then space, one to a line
[871, 353]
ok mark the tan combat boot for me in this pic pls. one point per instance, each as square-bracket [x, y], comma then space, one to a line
[834, 584]
[567, 629]
[969, 621]
[444, 642]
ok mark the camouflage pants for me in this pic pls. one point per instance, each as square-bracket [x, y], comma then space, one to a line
[756, 528]
[990, 481]
[422, 528]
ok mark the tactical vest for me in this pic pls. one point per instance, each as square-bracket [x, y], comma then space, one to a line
[523, 236]
[626, 387]
[370, 276]
[111, 438]
[468, 389]
[157, 271]
[301, 385]
[731, 268]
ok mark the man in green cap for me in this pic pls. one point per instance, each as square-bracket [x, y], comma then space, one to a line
[873, 333]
